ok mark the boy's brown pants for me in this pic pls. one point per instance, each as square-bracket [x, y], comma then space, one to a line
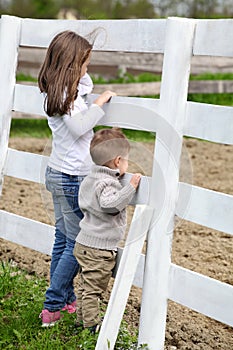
[96, 267]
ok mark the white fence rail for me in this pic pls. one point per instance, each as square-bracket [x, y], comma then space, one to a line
[159, 198]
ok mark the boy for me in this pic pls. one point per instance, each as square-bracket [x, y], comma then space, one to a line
[103, 202]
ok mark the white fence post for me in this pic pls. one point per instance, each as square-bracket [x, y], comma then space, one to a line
[9, 43]
[174, 88]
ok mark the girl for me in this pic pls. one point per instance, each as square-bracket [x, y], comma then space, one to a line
[64, 80]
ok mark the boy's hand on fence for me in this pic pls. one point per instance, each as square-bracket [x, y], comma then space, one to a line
[135, 179]
[104, 97]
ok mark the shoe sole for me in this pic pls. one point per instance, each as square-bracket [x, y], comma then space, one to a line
[51, 324]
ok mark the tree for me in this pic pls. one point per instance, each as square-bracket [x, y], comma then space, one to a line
[201, 8]
[31, 8]
[194, 8]
[166, 7]
[115, 9]
[140, 9]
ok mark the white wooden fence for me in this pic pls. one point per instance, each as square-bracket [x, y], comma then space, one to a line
[171, 117]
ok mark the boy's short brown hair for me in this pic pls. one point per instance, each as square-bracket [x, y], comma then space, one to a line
[107, 144]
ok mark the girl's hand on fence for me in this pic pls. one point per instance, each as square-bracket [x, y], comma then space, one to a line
[104, 97]
[135, 179]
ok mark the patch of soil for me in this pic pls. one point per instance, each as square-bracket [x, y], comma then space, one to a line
[194, 247]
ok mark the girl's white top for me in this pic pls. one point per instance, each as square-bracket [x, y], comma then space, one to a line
[72, 134]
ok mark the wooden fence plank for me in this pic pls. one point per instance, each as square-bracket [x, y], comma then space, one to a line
[208, 122]
[199, 205]
[26, 232]
[202, 294]
[132, 113]
[185, 286]
[32, 105]
[214, 38]
[19, 165]
[205, 207]
[39, 237]
[133, 35]
[202, 120]
[23, 90]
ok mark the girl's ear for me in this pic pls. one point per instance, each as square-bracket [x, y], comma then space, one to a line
[117, 161]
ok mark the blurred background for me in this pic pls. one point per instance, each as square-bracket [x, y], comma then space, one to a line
[117, 9]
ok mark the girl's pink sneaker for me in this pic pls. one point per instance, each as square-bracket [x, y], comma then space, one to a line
[49, 318]
[71, 308]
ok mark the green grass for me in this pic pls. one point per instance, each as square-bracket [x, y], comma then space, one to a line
[212, 76]
[149, 77]
[21, 300]
[30, 128]
[127, 78]
[224, 99]
[24, 77]
[140, 78]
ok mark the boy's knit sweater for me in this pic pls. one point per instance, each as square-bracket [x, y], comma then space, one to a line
[103, 202]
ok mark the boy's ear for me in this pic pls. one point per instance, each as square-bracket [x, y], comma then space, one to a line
[117, 161]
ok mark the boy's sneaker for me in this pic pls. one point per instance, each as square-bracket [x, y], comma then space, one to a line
[49, 318]
[94, 329]
[71, 308]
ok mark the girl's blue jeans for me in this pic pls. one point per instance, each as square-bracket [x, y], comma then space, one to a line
[64, 266]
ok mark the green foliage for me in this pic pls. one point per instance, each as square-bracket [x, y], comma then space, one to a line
[21, 300]
[90, 9]
[31, 8]
[115, 9]
[133, 9]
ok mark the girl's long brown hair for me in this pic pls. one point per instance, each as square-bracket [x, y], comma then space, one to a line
[60, 73]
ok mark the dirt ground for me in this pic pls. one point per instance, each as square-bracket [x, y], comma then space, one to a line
[194, 247]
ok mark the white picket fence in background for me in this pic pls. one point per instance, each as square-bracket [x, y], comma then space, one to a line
[159, 198]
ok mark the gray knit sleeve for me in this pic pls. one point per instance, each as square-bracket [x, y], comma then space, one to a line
[114, 198]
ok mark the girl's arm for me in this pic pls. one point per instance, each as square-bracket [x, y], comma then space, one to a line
[84, 121]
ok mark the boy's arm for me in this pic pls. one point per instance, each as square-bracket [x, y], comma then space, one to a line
[112, 200]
